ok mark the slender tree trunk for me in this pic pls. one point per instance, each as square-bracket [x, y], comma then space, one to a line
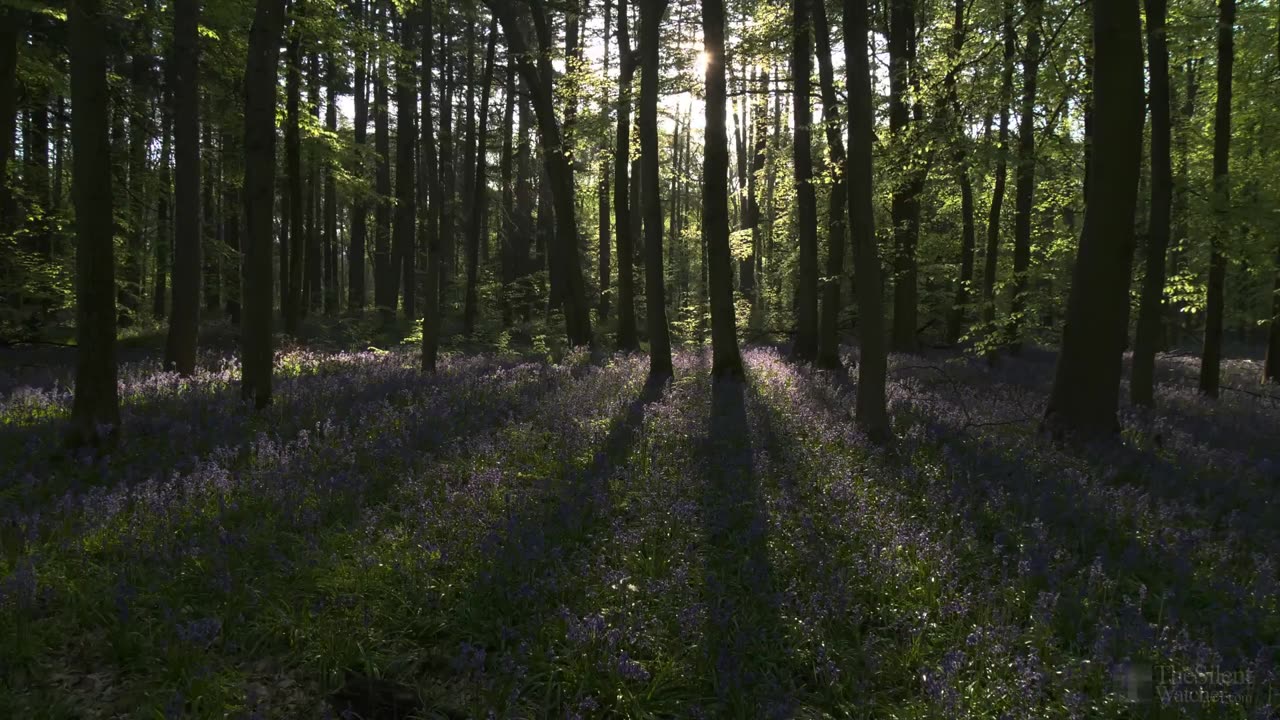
[256, 352]
[291, 252]
[1211, 359]
[232, 156]
[313, 298]
[1151, 311]
[602, 189]
[1086, 387]
[871, 414]
[480, 193]
[164, 232]
[969, 240]
[382, 296]
[209, 225]
[13, 26]
[180, 348]
[747, 282]
[406, 212]
[726, 361]
[1271, 365]
[508, 228]
[430, 233]
[448, 200]
[829, 330]
[655, 292]
[991, 257]
[356, 292]
[330, 194]
[905, 206]
[95, 409]
[806, 343]
[1026, 176]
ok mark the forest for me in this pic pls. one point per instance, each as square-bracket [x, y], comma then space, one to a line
[901, 359]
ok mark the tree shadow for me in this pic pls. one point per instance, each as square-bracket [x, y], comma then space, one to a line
[744, 633]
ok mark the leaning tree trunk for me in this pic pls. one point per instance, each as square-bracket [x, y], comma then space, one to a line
[725, 358]
[95, 409]
[1025, 194]
[1086, 386]
[806, 342]
[180, 348]
[655, 291]
[871, 414]
[1211, 359]
[829, 326]
[1151, 311]
[259, 182]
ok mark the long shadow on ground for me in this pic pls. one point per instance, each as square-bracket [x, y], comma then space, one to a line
[744, 629]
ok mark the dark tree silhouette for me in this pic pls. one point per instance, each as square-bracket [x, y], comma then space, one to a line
[256, 352]
[95, 409]
[184, 320]
[1211, 358]
[655, 291]
[1086, 385]
[1024, 195]
[806, 342]
[829, 324]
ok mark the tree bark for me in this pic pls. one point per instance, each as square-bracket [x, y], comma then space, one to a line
[991, 257]
[382, 296]
[95, 409]
[356, 291]
[905, 204]
[1211, 358]
[725, 358]
[1026, 175]
[806, 343]
[479, 195]
[330, 194]
[231, 159]
[291, 250]
[871, 414]
[13, 26]
[180, 347]
[1086, 387]
[430, 233]
[655, 292]
[829, 330]
[602, 189]
[164, 232]
[1151, 311]
[968, 241]
[256, 353]
[400, 262]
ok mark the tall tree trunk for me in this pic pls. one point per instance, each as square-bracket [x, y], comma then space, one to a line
[209, 225]
[991, 257]
[406, 212]
[747, 282]
[1086, 386]
[1271, 365]
[430, 232]
[906, 195]
[871, 414]
[969, 240]
[448, 199]
[231, 159]
[330, 194]
[382, 296]
[256, 352]
[291, 252]
[1151, 311]
[313, 299]
[507, 255]
[1026, 176]
[829, 330]
[559, 170]
[655, 292]
[1211, 358]
[164, 232]
[95, 409]
[356, 292]
[602, 188]
[726, 361]
[180, 348]
[13, 26]
[480, 192]
[806, 342]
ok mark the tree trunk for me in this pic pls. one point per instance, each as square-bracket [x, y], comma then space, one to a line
[356, 291]
[806, 344]
[1211, 359]
[1086, 386]
[747, 282]
[291, 252]
[905, 205]
[430, 231]
[558, 167]
[330, 195]
[406, 212]
[655, 292]
[448, 180]
[507, 257]
[256, 352]
[231, 158]
[382, 297]
[208, 213]
[313, 298]
[480, 193]
[726, 361]
[1151, 311]
[991, 257]
[829, 330]
[969, 241]
[602, 189]
[1026, 176]
[180, 348]
[164, 232]
[95, 409]
[871, 414]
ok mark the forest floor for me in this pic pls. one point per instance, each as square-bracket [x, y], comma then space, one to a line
[529, 539]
